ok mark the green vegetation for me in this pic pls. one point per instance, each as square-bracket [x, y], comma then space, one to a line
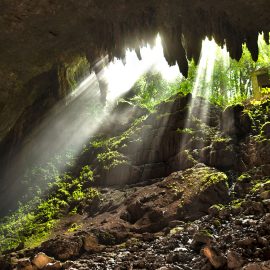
[235, 204]
[37, 178]
[230, 84]
[111, 159]
[151, 89]
[232, 80]
[189, 131]
[110, 155]
[245, 177]
[265, 91]
[259, 111]
[77, 71]
[33, 223]
[74, 227]
[258, 184]
[210, 179]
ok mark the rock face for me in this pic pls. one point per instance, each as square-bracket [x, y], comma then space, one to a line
[164, 142]
[36, 37]
[37, 43]
[235, 122]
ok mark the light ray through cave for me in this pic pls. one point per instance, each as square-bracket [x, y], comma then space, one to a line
[202, 88]
[71, 123]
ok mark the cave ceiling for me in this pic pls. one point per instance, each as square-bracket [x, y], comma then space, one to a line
[35, 35]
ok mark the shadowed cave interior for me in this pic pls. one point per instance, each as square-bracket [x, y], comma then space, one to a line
[134, 135]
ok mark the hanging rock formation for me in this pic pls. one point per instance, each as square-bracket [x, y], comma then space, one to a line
[35, 36]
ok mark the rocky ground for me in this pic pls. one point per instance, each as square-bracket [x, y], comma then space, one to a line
[236, 236]
[188, 196]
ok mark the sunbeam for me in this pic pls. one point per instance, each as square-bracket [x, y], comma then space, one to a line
[202, 88]
[71, 123]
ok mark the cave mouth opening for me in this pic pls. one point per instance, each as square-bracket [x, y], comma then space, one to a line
[83, 115]
[121, 75]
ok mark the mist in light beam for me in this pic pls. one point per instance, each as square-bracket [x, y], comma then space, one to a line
[73, 121]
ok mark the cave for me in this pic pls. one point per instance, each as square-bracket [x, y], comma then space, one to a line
[134, 134]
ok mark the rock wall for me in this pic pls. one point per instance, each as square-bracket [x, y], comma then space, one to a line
[35, 36]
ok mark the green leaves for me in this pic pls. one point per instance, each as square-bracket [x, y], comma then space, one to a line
[33, 222]
[151, 89]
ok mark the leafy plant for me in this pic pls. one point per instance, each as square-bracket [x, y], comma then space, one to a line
[33, 222]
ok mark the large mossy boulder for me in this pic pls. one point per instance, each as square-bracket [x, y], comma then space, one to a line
[202, 187]
[195, 190]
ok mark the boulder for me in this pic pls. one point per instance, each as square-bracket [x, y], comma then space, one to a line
[90, 243]
[41, 260]
[201, 238]
[24, 264]
[53, 266]
[265, 195]
[215, 257]
[202, 188]
[135, 210]
[63, 248]
[156, 214]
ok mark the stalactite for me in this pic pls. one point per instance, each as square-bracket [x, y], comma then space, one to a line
[192, 44]
[252, 45]
[174, 51]
[138, 53]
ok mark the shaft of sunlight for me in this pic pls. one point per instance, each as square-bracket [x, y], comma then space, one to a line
[72, 121]
[202, 88]
[205, 68]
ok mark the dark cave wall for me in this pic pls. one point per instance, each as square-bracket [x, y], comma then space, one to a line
[35, 37]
